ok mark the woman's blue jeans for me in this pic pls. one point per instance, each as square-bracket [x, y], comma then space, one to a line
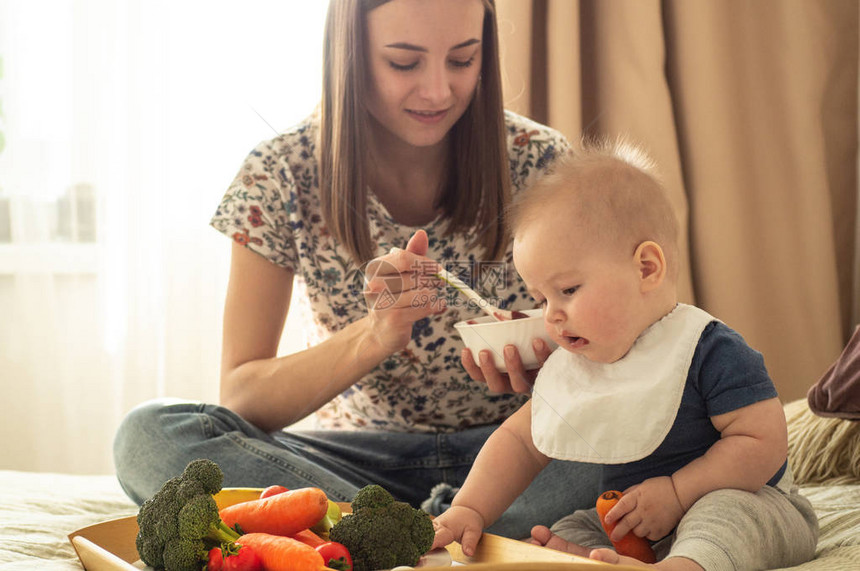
[158, 438]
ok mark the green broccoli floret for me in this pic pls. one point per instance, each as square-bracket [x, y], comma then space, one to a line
[382, 533]
[151, 550]
[182, 554]
[199, 519]
[371, 496]
[180, 522]
[207, 473]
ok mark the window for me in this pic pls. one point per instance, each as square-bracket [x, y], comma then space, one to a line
[140, 106]
[123, 123]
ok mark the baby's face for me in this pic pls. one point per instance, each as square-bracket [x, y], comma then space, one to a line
[591, 295]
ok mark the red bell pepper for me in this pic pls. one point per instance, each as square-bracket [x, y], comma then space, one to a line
[335, 555]
[234, 558]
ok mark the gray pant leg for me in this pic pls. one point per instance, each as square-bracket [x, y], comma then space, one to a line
[582, 527]
[737, 530]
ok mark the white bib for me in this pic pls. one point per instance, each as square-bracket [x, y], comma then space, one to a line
[614, 413]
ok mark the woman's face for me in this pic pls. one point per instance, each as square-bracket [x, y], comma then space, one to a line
[424, 59]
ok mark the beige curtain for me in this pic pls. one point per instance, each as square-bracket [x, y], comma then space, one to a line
[750, 109]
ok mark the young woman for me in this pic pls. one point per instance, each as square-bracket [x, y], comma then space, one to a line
[407, 165]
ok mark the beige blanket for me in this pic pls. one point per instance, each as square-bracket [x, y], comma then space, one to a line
[38, 510]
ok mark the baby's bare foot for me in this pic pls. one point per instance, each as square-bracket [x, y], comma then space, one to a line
[541, 535]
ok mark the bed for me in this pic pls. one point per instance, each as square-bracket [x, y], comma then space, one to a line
[39, 510]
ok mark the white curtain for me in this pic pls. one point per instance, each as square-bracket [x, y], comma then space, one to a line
[121, 124]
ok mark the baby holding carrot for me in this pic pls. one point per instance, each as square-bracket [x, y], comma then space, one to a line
[675, 406]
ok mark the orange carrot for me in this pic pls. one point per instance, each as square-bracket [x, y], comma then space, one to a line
[283, 553]
[308, 537]
[631, 544]
[282, 514]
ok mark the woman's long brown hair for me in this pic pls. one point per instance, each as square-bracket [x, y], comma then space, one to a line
[478, 185]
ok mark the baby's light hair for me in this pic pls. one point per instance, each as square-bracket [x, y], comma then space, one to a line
[621, 149]
[613, 193]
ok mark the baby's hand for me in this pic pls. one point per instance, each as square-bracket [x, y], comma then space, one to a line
[650, 509]
[461, 524]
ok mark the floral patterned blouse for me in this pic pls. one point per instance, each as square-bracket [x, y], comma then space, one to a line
[273, 208]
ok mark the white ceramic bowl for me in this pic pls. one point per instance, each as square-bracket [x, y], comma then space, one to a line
[487, 333]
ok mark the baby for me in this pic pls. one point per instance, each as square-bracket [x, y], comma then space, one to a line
[675, 406]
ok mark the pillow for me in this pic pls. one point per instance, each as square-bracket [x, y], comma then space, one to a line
[837, 393]
[821, 450]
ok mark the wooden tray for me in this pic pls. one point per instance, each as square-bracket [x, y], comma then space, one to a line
[109, 546]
